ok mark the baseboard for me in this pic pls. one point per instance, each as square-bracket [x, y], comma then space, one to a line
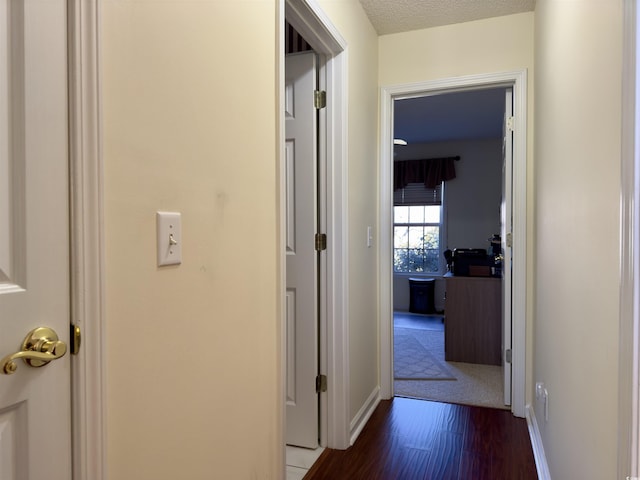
[364, 414]
[536, 445]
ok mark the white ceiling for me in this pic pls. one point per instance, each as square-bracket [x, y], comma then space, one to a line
[395, 16]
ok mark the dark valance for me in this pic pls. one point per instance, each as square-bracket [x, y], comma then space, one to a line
[431, 172]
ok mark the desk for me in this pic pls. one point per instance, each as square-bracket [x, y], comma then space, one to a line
[473, 320]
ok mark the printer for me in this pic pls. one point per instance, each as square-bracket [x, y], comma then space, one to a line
[472, 262]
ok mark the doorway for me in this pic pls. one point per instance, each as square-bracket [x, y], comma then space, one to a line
[516, 81]
[458, 137]
[311, 23]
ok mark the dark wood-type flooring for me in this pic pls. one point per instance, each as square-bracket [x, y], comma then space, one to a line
[408, 439]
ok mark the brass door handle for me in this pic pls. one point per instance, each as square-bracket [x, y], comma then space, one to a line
[39, 347]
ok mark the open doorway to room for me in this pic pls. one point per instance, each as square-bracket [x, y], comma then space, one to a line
[448, 192]
[499, 233]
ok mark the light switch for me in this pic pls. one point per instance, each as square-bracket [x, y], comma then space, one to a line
[369, 237]
[169, 238]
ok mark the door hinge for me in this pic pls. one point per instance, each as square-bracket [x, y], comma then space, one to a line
[321, 383]
[507, 355]
[76, 339]
[509, 240]
[321, 241]
[319, 99]
[511, 124]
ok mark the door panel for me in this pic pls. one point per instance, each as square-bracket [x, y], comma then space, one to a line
[35, 424]
[506, 222]
[302, 263]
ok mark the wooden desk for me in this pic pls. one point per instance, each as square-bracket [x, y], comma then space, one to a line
[473, 320]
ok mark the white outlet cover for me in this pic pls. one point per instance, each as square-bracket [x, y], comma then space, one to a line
[539, 390]
[169, 238]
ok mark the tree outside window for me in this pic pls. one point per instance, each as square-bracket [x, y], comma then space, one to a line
[416, 238]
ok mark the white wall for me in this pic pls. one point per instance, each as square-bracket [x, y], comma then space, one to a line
[486, 46]
[362, 126]
[193, 353]
[577, 197]
[472, 201]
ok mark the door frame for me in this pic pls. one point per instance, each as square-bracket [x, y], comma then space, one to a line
[517, 80]
[308, 19]
[629, 339]
[86, 237]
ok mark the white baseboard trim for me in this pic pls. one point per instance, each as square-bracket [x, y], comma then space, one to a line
[364, 414]
[536, 445]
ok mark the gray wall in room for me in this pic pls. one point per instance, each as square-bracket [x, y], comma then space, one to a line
[472, 200]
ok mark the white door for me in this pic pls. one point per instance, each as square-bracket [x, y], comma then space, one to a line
[302, 258]
[506, 221]
[35, 433]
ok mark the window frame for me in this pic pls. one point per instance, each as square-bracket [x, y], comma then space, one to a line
[441, 238]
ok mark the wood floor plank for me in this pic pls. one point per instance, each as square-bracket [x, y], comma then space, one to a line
[408, 439]
[475, 465]
[444, 458]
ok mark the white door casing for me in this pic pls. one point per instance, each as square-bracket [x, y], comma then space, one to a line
[87, 246]
[310, 21]
[506, 219]
[302, 260]
[35, 413]
[629, 351]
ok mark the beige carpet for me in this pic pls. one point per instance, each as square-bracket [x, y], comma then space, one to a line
[474, 384]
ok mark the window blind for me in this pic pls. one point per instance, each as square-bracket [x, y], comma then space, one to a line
[418, 194]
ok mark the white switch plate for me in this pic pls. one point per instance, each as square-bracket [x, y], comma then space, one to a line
[169, 238]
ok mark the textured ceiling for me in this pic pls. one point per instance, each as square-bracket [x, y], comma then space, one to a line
[395, 16]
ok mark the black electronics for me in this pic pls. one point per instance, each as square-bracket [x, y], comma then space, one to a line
[471, 262]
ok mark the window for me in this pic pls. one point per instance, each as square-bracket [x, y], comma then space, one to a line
[416, 238]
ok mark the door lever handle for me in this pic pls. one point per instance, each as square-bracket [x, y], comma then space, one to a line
[39, 347]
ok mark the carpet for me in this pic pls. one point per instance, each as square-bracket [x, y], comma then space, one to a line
[413, 358]
[474, 384]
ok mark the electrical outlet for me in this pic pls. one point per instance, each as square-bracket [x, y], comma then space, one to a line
[545, 395]
[542, 394]
[539, 390]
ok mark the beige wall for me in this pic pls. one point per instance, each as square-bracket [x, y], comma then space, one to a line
[362, 127]
[578, 112]
[193, 354]
[486, 46]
